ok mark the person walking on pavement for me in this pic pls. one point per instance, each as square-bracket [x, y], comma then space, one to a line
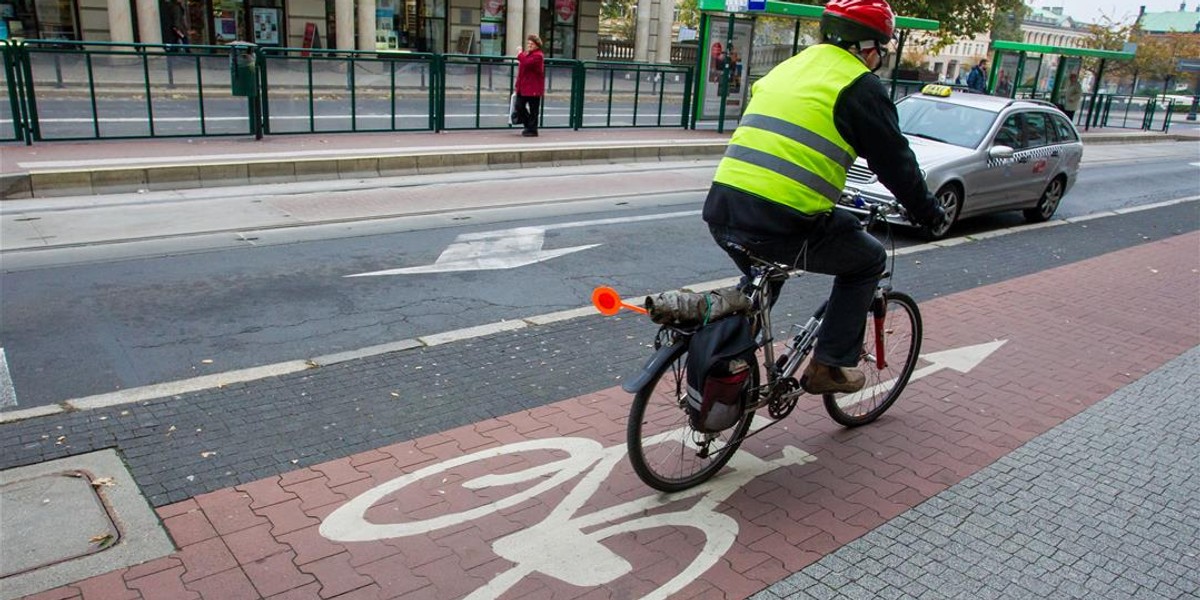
[1072, 96]
[783, 172]
[977, 78]
[531, 83]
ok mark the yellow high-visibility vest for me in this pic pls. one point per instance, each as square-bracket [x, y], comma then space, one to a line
[786, 148]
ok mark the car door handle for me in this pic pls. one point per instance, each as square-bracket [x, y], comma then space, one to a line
[1056, 153]
[1023, 159]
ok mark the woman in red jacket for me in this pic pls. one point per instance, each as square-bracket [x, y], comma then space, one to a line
[531, 83]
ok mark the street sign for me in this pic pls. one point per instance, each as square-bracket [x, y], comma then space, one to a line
[735, 6]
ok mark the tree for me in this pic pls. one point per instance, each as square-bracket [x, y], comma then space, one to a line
[1157, 56]
[1110, 35]
[619, 18]
[1161, 61]
[1006, 25]
[958, 18]
[689, 13]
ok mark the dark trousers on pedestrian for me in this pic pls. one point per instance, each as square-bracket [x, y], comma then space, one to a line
[835, 245]
[527, 112]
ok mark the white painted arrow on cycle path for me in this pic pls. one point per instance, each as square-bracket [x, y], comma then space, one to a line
[962, 360]
[510, 248]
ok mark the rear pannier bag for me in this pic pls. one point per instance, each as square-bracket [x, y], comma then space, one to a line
[719, 366]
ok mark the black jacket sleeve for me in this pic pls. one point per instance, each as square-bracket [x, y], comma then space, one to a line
[866, 118]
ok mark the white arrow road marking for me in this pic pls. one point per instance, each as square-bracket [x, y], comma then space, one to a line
[962, 360]
[509, 248]
[8, 393]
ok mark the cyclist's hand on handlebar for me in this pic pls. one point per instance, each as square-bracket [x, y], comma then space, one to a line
[929, 214]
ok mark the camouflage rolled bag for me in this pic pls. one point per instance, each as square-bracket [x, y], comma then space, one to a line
[684, 309]
[720, 358]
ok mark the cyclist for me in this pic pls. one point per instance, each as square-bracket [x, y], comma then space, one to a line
[775, 190]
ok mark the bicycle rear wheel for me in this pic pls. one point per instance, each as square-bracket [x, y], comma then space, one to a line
[900, 336]
[666, 452]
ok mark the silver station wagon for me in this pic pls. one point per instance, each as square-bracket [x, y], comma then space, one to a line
[980, 154]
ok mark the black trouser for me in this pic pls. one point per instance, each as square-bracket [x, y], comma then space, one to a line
[527, 111]
[834, 245]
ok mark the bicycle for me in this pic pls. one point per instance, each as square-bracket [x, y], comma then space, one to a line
[890, 353]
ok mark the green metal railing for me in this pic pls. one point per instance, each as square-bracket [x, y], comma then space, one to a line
[1146, 113]
[99, 90]
[657, 95]
[12, 112]
[307, 91]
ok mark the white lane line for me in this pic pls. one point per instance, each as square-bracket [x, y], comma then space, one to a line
[164, 390]
[8, 393]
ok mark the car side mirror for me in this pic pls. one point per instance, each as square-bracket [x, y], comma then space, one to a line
[1001, 152]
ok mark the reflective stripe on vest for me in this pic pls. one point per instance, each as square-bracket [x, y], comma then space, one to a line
[787, 148]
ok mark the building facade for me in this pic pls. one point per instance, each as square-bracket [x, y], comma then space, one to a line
[1180, 21]
[455, 26]
[1048, 27]
[569, 28]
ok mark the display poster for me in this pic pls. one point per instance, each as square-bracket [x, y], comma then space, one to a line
[715, 52]
[1004, 77]
[1030, 74]
[266, 26]
[494, 10]
[225, 22]
[564, 11]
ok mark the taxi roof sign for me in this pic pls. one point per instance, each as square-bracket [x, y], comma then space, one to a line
[942, 91]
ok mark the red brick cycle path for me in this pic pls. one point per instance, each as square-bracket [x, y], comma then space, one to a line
[1073, 335]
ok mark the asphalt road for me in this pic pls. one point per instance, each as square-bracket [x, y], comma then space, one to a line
[79, 329]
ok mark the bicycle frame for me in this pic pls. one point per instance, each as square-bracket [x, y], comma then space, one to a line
[671, 341]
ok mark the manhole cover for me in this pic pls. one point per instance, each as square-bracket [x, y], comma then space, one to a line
[52, 518]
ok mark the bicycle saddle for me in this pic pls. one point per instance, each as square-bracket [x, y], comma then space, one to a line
[774, 271]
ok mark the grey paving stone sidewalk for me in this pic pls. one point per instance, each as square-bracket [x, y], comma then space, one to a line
[1106, 505]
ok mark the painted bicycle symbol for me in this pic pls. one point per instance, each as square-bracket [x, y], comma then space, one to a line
[567, 545]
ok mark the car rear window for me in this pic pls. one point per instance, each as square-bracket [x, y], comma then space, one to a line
[1039, 130]
[1066, 133]
[944, 122]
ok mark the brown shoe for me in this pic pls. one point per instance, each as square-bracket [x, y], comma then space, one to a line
[822, 379]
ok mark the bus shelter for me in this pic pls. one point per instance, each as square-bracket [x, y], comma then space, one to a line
[1020, 69]
[734, 41]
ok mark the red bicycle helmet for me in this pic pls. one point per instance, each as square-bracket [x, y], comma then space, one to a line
[849, 21]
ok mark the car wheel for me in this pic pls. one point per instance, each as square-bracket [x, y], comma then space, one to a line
[950, 199]
[1048, 203]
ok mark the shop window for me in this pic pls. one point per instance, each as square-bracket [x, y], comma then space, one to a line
[433, 26]
[491, 27]
[184, 21]
[41, 19]
[559, 18]
[418, 25]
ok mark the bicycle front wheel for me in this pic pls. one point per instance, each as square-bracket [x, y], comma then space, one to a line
[667, 453]
[898, 338]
